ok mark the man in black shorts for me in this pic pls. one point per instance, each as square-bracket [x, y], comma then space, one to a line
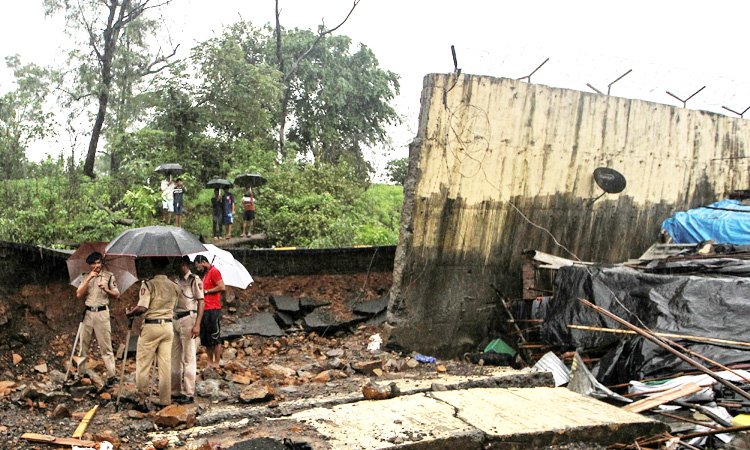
[210, 331]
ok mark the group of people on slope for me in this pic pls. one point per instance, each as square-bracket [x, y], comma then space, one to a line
[223, 205]
[222, 208]
[176, 312]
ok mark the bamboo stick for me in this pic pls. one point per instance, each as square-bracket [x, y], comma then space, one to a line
[666, 347]
[85, 422]
[668, 335]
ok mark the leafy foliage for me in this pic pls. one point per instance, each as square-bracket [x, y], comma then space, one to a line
[396, 169]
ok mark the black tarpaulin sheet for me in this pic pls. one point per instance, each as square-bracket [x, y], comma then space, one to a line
[716, 306]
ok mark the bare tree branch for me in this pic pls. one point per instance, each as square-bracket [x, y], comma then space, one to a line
[161, 59]
[321, 34]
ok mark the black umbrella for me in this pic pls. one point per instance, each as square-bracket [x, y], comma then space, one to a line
[170, 169]
[155, 241]
[218, 183]
[250, 180]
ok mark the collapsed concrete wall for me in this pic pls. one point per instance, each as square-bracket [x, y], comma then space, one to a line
[500, 166]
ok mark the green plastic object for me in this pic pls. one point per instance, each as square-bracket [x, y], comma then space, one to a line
[498, 346]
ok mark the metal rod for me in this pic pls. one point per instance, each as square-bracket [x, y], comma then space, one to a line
[595, 89]
[665, 346]
[609, 86]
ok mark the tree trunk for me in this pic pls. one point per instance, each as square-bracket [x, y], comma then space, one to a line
[88, 167]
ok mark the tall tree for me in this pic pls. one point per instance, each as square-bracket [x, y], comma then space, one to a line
[103, 24]
[23, 117]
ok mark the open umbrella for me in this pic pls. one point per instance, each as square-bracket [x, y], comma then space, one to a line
[170, 169]
[155, 241]
[123, 267]
[250, 180]
[218, 183]
[232, 271]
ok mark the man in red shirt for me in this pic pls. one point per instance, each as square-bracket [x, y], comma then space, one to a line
[210, 330]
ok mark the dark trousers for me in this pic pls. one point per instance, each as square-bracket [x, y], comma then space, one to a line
[218, 231]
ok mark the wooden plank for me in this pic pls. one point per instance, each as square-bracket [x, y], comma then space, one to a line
[85, 422]
[33, 437]
[668, 335]
[665, 397]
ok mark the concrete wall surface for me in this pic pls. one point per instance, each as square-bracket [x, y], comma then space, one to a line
[500, 166]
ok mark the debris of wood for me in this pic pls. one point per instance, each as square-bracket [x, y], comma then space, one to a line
[85, 422]
[46, 439]
[662, 342]
[660, 399]
[668, 335]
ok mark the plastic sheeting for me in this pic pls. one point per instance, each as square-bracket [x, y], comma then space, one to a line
[712, 306]
[726, 221]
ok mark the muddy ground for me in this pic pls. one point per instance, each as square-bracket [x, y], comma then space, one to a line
[40, 324]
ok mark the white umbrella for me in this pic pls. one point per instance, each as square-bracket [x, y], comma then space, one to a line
[232, 271]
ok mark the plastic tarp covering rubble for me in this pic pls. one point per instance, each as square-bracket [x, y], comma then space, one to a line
[726, 221]
[716, 306]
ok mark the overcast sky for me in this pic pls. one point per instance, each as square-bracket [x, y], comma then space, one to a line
[669, 45]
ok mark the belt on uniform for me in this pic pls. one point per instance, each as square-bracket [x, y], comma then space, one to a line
[182, 314]
[96, 308]
[151, 321]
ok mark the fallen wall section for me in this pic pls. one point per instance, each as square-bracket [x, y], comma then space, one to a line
[500, 166]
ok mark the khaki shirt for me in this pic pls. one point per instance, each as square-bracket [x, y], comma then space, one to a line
[191, 293]
[95, 296]
[159, 295]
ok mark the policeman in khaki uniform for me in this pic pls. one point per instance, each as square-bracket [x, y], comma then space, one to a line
[157, 299]
[187, 323]
[98, 286]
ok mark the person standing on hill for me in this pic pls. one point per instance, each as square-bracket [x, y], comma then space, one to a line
[248, 202]
[167, 200]
[227, 202]
[98, 287]
[217, 214]
[178, 194]
[210, 332]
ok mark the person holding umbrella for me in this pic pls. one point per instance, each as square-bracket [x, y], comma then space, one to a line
[217, 211]
[187, 324]
[157, 299]
[248, 202]
[227, 201]
[98, 287]
[167, 200]
[210, 331]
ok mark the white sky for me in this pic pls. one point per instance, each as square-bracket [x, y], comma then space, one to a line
[670, 45]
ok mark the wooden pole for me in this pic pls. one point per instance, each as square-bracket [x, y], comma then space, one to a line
[668, 335]
[666, 347]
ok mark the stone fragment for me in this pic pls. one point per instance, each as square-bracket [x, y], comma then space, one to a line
[174, 415]
[241, 379]
[323, 377]
[17, 358]
[441, 368]
[61, 412]
[108, 436]
[277, 371]
[286, 304]
[41, 368]
[229, 354]
[326, 320]
[334, 363]
[105, 396]
[257, 392]
[374, 391]
[372, 307]
[335, 353]
[133, 414]
[160, 444]
[412, 363]
[261, 324]
[367, 367]
[377, 372]
[438, 387]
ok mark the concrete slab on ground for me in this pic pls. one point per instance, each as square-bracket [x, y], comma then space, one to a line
[519, 418]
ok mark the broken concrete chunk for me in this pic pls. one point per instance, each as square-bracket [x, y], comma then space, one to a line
[261, 324]
[277, 371]
[283, 303]
[367, 367]
[61, 412]
[257, 392]
[174, 415]
[372, 307]
[16, 358]
[335, 353]
[108, 436]
[374, 391]
[41, 368]
[284, 319]
[327, 321]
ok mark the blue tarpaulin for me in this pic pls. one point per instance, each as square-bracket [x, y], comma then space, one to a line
[726, 221]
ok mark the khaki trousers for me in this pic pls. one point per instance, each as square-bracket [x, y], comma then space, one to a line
[183, 357]
[97, 322]
[155, 340]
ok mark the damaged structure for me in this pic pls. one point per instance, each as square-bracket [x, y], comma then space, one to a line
[500, 166]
